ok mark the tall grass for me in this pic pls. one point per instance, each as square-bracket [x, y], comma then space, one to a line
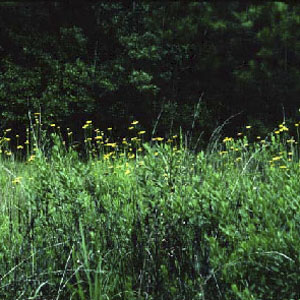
[138, 220]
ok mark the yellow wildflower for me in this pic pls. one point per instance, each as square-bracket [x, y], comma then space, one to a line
[134, 122]
[291, 141]
[158, 139]
[31, 158]
[106, 156]
[283, 128]
[113, 145]
[131, 156]
[227, 139]
[17, 180]
[223, 152]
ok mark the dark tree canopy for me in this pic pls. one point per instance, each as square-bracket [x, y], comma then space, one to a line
[118, 61]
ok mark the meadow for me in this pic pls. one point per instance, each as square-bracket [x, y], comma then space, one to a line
[137, 219]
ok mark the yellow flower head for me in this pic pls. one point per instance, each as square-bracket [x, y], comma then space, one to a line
[17, 180]
[159, 139]
[227, 139]
[31, 158]
[131, 156]
[134, 122]
[223, 152]
[113, 145]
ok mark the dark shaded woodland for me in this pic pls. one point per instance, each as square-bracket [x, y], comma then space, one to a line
[121, 61]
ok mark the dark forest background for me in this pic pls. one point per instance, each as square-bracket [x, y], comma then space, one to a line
[166, 64]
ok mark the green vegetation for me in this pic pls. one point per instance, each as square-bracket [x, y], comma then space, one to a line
[114, 62]
[160, 208]
[150, 220]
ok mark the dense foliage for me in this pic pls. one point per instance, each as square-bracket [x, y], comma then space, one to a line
[134, 220]
[168, 207]
[115, 62]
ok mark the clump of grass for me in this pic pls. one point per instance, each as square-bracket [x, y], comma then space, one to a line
[132, 219]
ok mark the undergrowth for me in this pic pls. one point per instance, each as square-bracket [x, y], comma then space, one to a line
[150, 220]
